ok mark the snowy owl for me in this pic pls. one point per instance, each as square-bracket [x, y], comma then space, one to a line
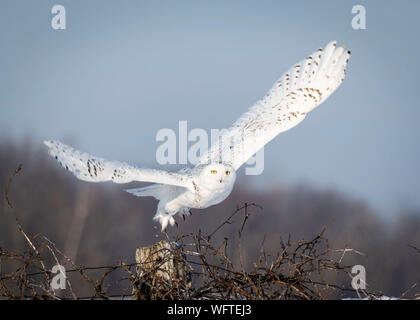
[301, 89]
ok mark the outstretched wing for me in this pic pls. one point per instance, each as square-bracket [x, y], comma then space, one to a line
[305, 86]
[93, 169]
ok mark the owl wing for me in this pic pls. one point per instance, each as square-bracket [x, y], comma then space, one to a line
[301, 89]
[93, 169]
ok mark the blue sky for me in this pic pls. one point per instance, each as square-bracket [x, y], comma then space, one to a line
[122, 70]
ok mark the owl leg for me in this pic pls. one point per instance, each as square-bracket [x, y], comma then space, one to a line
[172, 221]
[163, 218]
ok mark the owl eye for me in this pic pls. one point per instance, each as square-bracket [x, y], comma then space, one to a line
[213, 171]
[227, 173]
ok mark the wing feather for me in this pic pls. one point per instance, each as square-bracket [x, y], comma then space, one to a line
[93, 169]
[301, 89]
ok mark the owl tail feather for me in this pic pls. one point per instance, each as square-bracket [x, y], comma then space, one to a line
[154, 190]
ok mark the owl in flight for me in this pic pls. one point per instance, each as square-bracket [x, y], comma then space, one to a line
[300, 90]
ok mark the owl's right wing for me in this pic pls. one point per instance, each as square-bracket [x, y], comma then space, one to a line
[93, 169]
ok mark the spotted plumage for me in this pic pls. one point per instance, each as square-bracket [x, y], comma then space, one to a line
[301, 89]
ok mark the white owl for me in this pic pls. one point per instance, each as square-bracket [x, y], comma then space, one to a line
[305, 86]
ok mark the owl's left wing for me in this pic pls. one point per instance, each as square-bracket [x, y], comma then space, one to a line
[304, 87]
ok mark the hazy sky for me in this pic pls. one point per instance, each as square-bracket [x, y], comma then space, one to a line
[122, 70]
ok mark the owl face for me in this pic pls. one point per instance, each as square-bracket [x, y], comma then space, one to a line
[217, 175]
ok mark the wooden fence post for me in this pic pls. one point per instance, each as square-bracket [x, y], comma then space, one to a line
[160, 269]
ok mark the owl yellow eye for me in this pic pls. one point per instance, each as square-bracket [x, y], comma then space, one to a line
[227, 173]
[213, 171]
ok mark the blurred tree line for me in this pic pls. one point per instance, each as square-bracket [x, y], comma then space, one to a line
[99, 224]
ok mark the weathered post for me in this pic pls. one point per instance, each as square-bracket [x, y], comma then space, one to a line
[160, 271]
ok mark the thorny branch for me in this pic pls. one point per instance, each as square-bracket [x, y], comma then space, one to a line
[299, 271]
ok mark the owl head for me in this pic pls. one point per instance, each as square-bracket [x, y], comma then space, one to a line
[217, 175]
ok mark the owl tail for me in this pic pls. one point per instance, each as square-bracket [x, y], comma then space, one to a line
[154, 190]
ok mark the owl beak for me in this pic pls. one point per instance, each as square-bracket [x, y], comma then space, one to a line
[220, 180]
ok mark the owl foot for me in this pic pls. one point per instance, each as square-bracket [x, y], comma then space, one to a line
[164, 219]
[185, 213]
